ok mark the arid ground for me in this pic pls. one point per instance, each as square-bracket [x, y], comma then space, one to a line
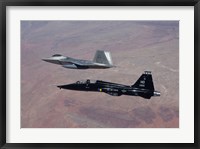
[135, 46]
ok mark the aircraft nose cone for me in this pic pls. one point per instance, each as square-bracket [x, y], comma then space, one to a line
[51, 60]
[65, 86]
[46, 59]
[59, 86]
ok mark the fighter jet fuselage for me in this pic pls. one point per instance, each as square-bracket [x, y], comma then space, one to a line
[102, 60]
[143, 87]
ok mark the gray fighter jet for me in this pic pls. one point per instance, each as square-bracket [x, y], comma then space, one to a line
[101, 60]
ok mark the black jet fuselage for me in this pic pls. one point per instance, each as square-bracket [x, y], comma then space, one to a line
[141, 88]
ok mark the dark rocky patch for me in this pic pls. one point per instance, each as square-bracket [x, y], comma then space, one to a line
[176, 112]
[110, 118]
[145, 113]
[166, 114]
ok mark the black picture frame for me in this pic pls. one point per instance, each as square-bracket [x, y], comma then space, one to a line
[5, 3]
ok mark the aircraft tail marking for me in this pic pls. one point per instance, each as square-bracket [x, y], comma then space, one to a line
[103, 57]
[145, 81]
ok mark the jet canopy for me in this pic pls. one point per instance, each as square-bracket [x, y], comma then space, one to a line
[56, 55]
[85, 81]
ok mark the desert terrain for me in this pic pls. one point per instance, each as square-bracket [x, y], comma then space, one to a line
[135, 46]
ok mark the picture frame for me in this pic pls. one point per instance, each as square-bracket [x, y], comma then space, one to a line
[102, 3]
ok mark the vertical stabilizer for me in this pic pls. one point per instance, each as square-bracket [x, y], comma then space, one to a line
[103, 57]
[145, 81]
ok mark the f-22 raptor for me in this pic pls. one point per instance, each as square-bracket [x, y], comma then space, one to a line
[101, 60]
[143, 87]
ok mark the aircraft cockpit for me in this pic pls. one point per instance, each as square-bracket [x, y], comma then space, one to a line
[56, 55]
[81, 82]
[86, 81]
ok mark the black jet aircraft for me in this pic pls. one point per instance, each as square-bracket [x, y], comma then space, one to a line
[102, 60]
[143, 87]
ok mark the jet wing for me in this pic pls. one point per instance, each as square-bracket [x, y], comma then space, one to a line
[75, 66]
[77, 62]
[111, 91]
